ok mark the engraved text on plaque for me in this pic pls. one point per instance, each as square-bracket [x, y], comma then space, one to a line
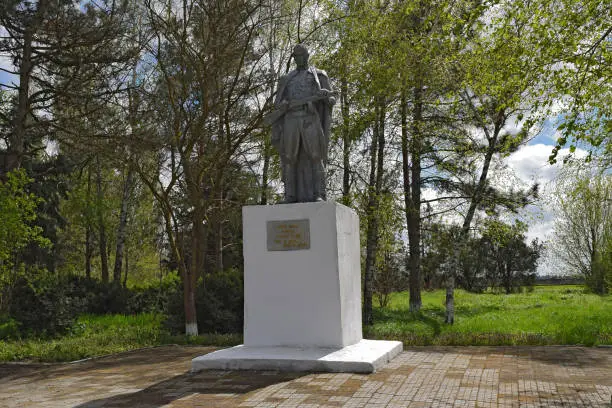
[288, 235]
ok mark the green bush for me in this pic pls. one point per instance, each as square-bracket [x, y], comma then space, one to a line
[219, 304]
[48, 306]
[154, 298]
[100, 298]
[9, 328]
[43, 308]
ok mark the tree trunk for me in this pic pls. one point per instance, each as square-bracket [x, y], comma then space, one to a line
[219, 238]
[219, 249]
[450, 289]
[17, 137]
[16, 144]
[127, 267]
[412, 194]
[475, 200]
[346, 152]
[134, 101]
[477, 197]
[449, 317]
[88, 251]
[508, 286]
[508, 277]
[101, 228]
[267, 143]
[450, 282]
[467, 222]
[375, 184]
[122, 227]
[189, 285]
[88, 229]
[177, 247]
[191, 274]
[198, 247]
[264, 173]
[371, 234]
[415, 211]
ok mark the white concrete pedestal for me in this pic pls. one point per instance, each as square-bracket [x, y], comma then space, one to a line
[366, 356]
[302, 293]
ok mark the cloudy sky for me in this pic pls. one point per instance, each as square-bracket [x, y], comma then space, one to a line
[530, 164]
[5, 63]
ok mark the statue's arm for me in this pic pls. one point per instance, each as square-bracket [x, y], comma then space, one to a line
[326, 85]
[324, 80]
[280, 91]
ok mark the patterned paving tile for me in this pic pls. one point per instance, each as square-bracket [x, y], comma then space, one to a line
[420, 377]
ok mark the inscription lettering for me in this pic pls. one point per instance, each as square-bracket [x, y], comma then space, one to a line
[288, 235]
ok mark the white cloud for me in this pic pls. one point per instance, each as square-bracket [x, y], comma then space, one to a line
[530, 164]
[514, 125]
[6, 63]
[541, 230]
[428, 194]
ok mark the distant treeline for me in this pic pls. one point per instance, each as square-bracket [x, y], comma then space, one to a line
[559, 280]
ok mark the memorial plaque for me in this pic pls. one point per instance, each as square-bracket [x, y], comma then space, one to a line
[289, 235]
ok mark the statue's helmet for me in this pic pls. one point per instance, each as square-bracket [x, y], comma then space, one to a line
[300, 49]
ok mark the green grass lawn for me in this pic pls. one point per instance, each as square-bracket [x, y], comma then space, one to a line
[548, 315]
[101, 335]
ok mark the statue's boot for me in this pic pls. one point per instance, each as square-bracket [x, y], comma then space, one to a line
[318, 182]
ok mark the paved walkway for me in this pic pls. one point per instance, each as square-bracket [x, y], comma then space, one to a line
[419, 377]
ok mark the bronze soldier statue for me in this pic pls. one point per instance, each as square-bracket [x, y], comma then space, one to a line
[300, 128]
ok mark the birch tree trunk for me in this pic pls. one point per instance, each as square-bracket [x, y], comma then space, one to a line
[127, 267]
[122, 227]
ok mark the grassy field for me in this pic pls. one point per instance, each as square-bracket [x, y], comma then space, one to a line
[101, 335]
[548, 315]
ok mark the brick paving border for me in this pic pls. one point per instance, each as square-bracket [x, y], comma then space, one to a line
[420, 377]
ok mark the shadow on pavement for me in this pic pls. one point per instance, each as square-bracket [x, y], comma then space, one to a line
[221, 388]
[134, 358]
[571, 356]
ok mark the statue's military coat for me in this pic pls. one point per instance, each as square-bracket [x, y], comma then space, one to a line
[287, 143]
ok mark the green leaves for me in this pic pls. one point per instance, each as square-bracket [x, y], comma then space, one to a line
[17, 215]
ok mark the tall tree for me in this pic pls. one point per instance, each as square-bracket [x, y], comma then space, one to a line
[500, 77]
[211, 74]
[513, 261]
[429, 38]
[128, 185]
[583, 228]
[61, 51]
[58, 50]
[377, 149]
